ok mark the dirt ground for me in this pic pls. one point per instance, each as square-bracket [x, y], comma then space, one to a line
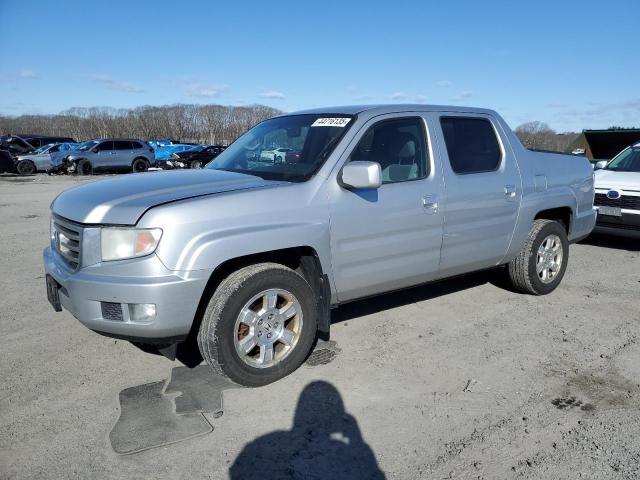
[459, 379]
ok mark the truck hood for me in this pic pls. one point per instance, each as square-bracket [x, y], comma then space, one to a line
[612, 179]
[122, 200]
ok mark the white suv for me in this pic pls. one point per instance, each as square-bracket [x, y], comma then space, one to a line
[617, 186]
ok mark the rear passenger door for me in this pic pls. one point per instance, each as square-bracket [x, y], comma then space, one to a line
[387, 238]
[483, 191]
[123, 153]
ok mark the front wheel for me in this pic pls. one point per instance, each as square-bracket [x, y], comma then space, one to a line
[84, 167]
[197, 164]
[541, 264]
[26, 167]
[259, 325]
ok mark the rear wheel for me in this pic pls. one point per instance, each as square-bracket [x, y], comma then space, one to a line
[84, 167]
[26, 167]
[139, 165]
[260, 324]
[539, 267]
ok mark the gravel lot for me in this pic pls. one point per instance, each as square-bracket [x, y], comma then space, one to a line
[460, 379]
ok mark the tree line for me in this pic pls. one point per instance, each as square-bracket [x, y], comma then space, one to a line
[207, 124]
[539, 136]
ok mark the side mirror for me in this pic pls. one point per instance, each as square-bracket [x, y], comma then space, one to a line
[362, 175]
[600, 165]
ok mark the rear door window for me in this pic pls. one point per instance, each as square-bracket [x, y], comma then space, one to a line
[121, 145]
[472, 144]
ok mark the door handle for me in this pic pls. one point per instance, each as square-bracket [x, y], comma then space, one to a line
[430, 203]
[510, 191]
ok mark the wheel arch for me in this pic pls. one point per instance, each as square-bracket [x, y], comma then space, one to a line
[302, 259]
[563, 215]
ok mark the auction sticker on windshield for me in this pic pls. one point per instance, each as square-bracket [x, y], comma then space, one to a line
[331, 122]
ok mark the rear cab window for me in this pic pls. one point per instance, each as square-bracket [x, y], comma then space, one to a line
[472, 144]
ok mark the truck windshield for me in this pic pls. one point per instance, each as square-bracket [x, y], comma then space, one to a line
[290, 148]
[626, 161]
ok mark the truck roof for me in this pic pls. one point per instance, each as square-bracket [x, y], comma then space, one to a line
[392, 108]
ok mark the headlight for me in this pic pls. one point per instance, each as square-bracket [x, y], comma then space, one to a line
[122, 243]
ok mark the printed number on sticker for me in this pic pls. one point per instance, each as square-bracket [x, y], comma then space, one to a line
[331, 122]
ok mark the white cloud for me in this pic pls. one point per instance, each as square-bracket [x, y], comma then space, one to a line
[22, 74]
[589, 115]
[444, 83]
[205, 91]
[27, 74]
[421, 98]
[273, 94]
[108, 82]
[463, 95]
[398, 96]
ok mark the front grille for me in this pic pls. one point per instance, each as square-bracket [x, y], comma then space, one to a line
[625, 201]
[111, 311]
[68, 241]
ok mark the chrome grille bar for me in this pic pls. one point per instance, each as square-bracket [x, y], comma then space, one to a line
[68, 241]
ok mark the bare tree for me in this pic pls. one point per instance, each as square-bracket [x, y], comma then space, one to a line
[538, 135]
[188, 123]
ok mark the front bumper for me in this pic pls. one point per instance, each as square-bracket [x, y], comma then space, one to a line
[628, 224]
[144, 280]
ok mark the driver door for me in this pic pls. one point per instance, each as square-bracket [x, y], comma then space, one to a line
[388, 238]
[104, 152]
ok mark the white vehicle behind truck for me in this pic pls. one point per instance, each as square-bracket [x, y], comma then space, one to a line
[617, 197]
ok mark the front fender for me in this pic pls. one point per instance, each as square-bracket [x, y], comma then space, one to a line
[202, 233]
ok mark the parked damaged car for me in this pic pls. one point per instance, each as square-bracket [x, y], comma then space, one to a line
[196, 157]
[23, 144]
[6, 161]
[44, 159]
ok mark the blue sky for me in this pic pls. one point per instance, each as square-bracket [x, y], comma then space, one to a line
[572, 64]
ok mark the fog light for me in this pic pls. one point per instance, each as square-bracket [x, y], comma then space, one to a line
[142, 312]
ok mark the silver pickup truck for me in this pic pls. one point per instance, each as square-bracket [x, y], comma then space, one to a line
[246, 257]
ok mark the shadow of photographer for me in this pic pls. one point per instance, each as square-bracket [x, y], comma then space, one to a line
[325, 442]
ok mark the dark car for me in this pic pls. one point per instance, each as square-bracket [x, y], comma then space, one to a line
[7, 164]
[23, 143]
[197, 157]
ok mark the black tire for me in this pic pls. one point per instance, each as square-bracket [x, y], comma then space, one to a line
[278, 160]
[139, 165]
[217, 334]
[26, 167]
[84, 167]
[196, 164]
[522, 270]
